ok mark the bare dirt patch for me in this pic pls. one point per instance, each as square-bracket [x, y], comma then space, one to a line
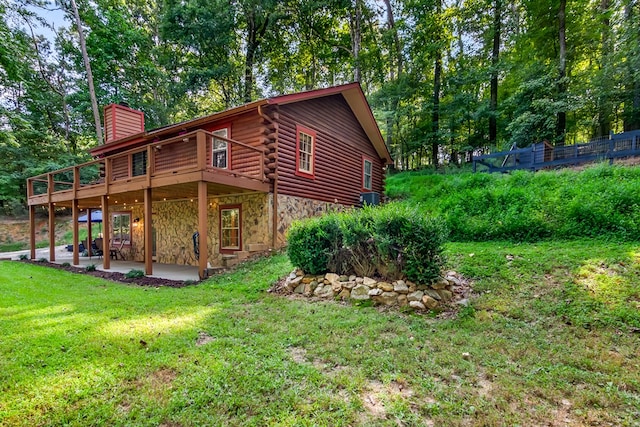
[203, 338]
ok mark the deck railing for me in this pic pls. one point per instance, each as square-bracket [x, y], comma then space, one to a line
[189, 152]
[540, 156]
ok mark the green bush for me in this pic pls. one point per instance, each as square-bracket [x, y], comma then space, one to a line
[134, 274]
[23, 257]
[90, 267]
[393, 241]
[312, 243]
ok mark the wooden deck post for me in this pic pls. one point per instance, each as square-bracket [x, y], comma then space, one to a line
[89, 236]
[201, 150]
[74, 215]
[52, 232]
[106, 227]
[148, 236]
[202, 230]
[52, 219]
[32, 232]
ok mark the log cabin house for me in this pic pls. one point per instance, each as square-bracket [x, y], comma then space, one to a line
[238, 177]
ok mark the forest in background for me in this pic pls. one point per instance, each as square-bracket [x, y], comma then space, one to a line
[445, 78]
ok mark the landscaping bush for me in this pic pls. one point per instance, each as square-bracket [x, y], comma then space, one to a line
[90, 267]
[393, 241]
[314, 242]
[134, 274]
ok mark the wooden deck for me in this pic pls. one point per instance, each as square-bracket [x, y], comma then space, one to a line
[172, 168]
[536, 157]
[177, 168]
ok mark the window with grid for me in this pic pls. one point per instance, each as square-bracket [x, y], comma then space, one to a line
[220, 155]
[230, 228]
[305, 145]
[367, 168]
[139, 163]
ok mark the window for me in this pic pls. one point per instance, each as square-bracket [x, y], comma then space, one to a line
[139, 163]
[120, 228]
[305, 147]
[220, 149]
[367, 168]
[230, 230]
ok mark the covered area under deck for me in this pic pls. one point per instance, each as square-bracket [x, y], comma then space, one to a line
[164, 171]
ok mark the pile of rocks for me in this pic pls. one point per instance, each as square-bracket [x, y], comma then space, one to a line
[447, 289]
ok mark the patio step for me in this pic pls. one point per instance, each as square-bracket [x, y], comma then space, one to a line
[257, 247]
[229, 260]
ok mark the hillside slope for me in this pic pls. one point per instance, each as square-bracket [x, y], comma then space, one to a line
[600, 201]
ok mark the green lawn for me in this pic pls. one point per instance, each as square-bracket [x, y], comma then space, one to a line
[552, 339]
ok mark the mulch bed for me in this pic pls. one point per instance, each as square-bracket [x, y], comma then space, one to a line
[117, 277]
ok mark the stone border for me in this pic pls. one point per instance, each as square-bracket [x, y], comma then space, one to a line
[450, 289]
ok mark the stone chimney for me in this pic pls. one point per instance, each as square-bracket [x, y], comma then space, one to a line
[121, 121]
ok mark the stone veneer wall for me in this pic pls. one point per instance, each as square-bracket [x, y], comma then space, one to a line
[291, 208]
[176, 221]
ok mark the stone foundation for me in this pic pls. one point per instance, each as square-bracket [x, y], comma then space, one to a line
[399, 293]
[291, 208]
[176, 221]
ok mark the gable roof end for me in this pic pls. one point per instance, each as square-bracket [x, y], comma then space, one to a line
[356, 100]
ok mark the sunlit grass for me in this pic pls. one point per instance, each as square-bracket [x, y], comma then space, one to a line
[544, 342]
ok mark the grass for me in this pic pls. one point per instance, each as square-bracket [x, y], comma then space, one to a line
[551, 340]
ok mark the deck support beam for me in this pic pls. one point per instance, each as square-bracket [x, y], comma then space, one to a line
[32, 232]
[75, 243]
[202, 230]
[106, 227]
[148, 235]
[89, 236]
[52, 232]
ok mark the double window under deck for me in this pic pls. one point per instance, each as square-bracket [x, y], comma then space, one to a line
[183, 167]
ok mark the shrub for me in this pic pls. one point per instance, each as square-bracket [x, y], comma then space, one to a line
[134, 274]
[90, 267]
[42, 260]
[312, 243]
[393, 241]
[65, 264]
[23, 257]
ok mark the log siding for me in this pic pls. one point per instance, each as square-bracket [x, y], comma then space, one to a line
[339, 146]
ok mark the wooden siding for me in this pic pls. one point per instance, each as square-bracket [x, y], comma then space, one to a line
[339, 148]
[246, 129]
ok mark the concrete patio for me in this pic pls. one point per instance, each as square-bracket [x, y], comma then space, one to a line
[164, 271]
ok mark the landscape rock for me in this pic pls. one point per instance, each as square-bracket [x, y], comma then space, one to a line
[386, 287]
[375, 292]
[345, 294]
[433, 294]
[415, 296]
[441, 283]
[300, 288]
[402, 300]
[336, 287]
[445, 294]
[307, 279]
[417, 305]
[325, 292]
[429, 302]
[343, 278]
[293, 283]
[400, 287]
[349, 285]
[360, 292]
[367, 281]
[352, 278]
[331, 277]
[388, 298]
[359, 280]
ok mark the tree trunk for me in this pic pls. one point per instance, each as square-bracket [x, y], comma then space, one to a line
[561, 123]
[435, 116]
[632, 82]
[87, 65]
[604, 116]
[249, 57]
[495, 57]
[356, 39]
